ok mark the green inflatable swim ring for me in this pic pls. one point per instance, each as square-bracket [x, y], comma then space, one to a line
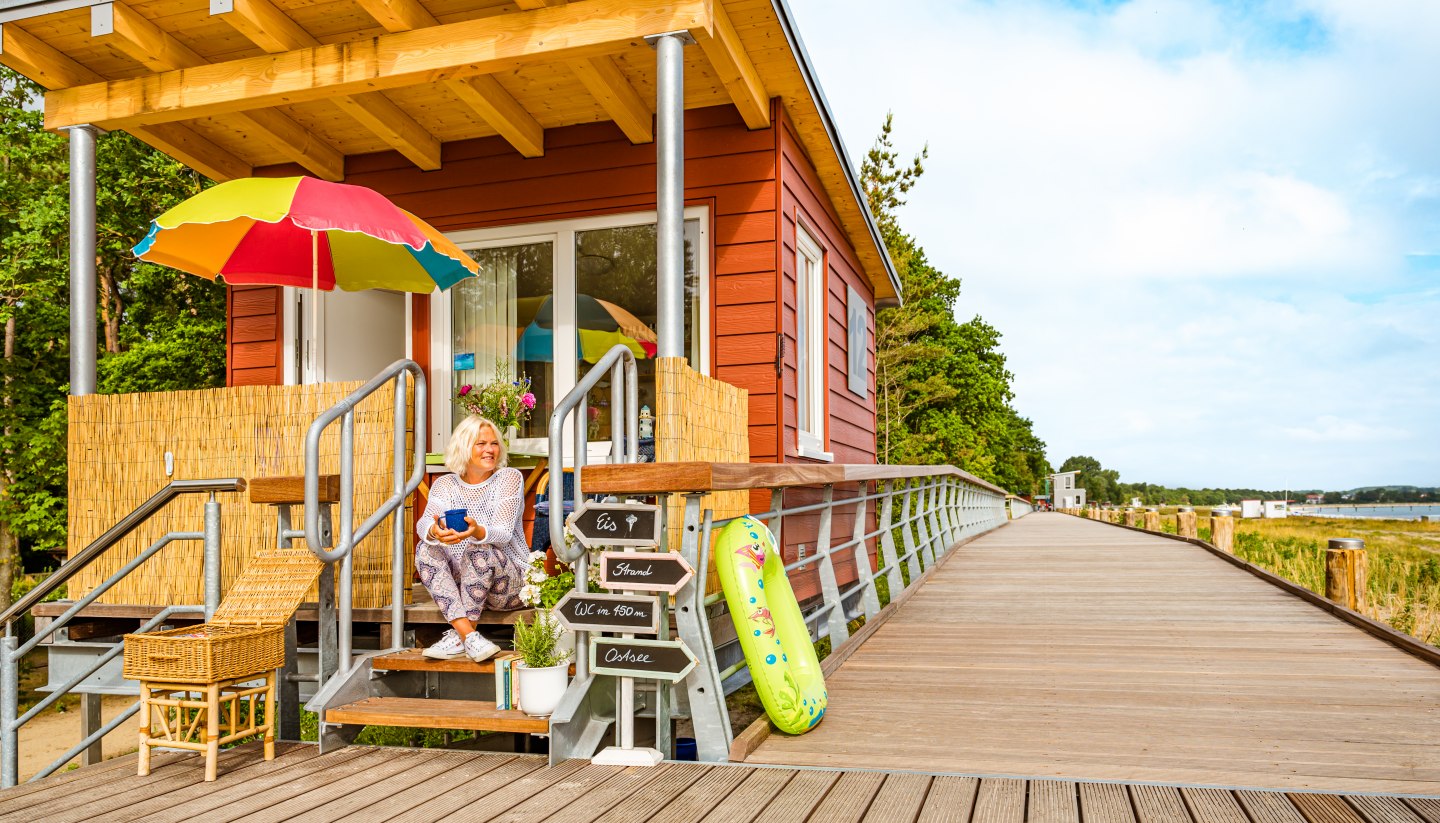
[772, 631]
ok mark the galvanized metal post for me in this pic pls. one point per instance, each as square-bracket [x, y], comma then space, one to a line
[912, 555]
[212, 556]
[670, 190]
[888, 559]
[922, 528]
[708, 713]
[82, 259]
[9, 711]
[940, 546]
[288, 712]
[869, 599]
[397, 523]
[835, 618]
[327, 628]
[90, 722]
[345, 586]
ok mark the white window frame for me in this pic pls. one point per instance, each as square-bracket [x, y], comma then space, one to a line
[810, 293]
[561, 234]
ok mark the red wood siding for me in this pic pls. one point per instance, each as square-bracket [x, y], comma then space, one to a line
[254, 355]
[851, 424]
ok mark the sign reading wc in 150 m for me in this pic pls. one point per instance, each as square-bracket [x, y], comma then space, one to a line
[615, 524]
[619, 613]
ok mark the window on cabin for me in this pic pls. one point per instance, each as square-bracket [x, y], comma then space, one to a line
[810, 331]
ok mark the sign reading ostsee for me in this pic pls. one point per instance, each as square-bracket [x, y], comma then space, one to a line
[623, 657]
[615, 524]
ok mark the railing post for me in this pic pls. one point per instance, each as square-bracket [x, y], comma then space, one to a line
[937, 529]
[922, 524]
[912, 555]
[1346, 572]
[869, 598]
[829, 589]
[212, 557]
[1222, 530]
[949, 499]
[344, 593]
[9, 712]
[708, 712]
[327, 625]
[397, 520]
[888, 559]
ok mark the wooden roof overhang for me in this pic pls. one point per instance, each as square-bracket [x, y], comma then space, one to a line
[226, 86]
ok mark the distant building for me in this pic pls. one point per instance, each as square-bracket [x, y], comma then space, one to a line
[1314, 499]
[1252, 508]
[1064, 491]
[1277, 508]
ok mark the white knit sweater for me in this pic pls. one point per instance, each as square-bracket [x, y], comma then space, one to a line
[496, 503]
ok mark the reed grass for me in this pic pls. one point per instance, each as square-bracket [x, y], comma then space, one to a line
[1404, 563]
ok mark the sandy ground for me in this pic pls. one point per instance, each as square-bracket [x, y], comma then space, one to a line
[51, 733]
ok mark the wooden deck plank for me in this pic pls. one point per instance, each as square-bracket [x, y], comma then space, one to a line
[655, 794]
[1426, 807]
[1159, 804]
[1325, 808]
[322, 789]
[1000, 800]
[802, 794]
[600, 800]
[1217, 805]
[703, 795]
[746, 801]
[1384, 809]
[201, 796]
[900, 799]
[119, 792]
[556, 796]
[67, 781]
[1105, 803]
[501, 789]
[1060, 647]
[850, 797]
[951, 799]
[1269, 807]
[395, 791]
[1052, 801]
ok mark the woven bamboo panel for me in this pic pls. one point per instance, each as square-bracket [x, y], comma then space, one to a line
[700, 418]
[117, 446]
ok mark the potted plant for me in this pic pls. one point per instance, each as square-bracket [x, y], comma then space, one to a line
[544, 669]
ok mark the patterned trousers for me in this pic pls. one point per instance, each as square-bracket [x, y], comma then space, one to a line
[466, 581]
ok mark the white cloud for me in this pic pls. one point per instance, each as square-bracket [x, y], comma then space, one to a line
[1198, 226]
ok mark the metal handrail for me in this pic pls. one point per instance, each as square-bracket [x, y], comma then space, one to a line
[622, 408]
[345, 411]
[112, 535]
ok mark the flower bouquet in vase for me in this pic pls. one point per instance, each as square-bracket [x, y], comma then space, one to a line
[506, 401]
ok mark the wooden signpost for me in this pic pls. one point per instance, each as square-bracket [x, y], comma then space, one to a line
[625, 657]
[615, 524]
[617, 613]
[644, 571]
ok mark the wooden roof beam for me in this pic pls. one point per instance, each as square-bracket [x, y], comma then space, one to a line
[120, 26]
[274, 31]
[45, 65]
[732, 63]
[464, 49]
[605, 82]
[483, 95]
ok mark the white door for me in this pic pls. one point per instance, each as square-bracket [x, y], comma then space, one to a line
[361, 333]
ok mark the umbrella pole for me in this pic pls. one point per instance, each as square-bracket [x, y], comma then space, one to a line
[314, 305]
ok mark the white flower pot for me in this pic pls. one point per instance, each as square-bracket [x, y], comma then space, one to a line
[541, 689]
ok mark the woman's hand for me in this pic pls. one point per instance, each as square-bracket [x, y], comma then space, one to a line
[450, 537]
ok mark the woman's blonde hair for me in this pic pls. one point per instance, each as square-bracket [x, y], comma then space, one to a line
[462, 442]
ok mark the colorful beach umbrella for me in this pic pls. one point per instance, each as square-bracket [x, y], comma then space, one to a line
[299, 231]
[600, 325]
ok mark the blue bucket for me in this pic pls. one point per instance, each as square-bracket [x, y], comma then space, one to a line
[685, 749]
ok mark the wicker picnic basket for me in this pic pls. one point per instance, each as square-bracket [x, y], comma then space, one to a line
[247, 634]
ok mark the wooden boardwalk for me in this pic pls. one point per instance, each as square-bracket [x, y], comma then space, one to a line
[423, 786]
[1060, 647]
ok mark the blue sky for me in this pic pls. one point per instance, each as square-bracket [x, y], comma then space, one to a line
[1209, 231]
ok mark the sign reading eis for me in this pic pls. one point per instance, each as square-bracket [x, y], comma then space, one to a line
[615, 524]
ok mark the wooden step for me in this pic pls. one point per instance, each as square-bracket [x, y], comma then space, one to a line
[424, 713]
[411, 660]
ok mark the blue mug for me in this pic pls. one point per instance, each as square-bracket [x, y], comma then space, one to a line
[455, 520]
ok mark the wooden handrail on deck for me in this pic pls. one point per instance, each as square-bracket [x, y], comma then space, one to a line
[661, 478]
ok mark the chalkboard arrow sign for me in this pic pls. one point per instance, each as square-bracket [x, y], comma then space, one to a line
[644, 571]
[658, 659]
[619, 613]
[615, 524]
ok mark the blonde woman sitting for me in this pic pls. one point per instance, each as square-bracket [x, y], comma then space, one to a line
[483, 566]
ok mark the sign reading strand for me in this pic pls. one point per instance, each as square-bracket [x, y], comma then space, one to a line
[615, 524]
[644, 571]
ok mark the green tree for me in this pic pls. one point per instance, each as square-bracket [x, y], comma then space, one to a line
[944, 392]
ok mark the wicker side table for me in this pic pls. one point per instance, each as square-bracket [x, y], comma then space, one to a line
[203, 717]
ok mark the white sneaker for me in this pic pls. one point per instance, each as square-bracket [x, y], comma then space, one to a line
[478, 648]
[448, 648]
